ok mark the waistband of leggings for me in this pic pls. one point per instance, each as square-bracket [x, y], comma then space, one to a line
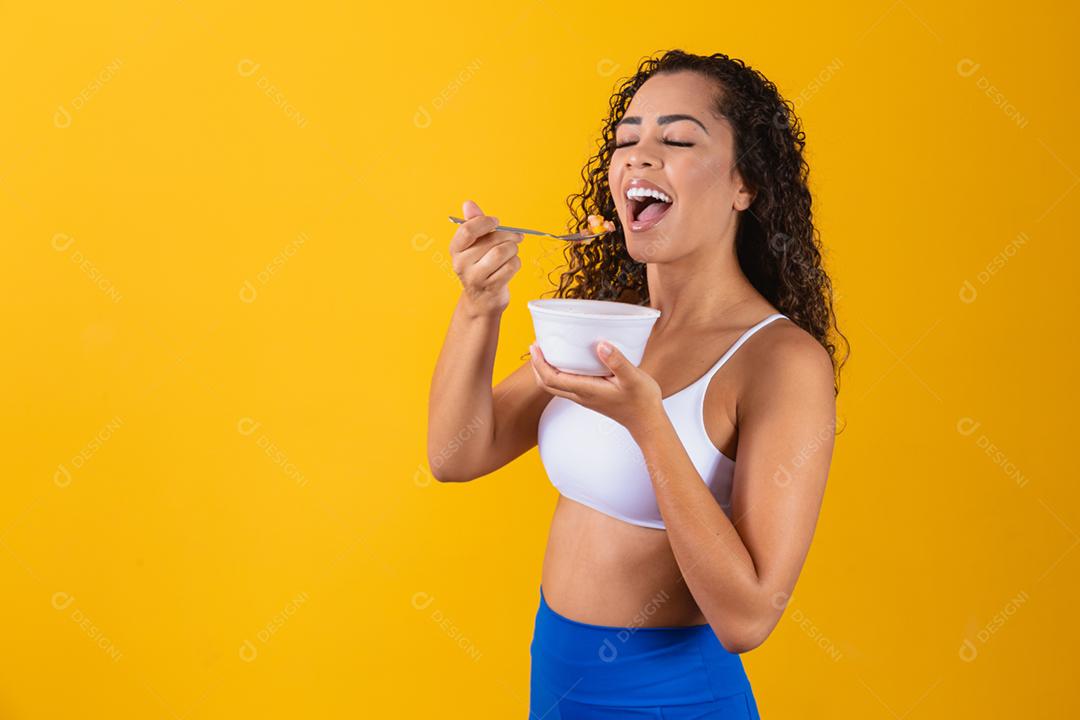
[632, 666]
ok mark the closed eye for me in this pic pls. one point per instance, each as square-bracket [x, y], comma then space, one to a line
[666, 142]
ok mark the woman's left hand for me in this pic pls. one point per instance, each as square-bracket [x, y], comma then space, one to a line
[629, 396]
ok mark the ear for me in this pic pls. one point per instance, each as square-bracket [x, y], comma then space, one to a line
[744, 196]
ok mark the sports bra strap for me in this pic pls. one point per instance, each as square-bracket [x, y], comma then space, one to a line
[737, 344]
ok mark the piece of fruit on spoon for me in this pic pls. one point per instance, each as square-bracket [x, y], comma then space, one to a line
[597, 224]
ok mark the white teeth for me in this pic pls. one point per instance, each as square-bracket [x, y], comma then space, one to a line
[638, 192]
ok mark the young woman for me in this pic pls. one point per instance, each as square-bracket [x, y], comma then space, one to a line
[690, 485]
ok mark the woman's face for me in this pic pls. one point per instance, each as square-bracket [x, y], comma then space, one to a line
[670, 138]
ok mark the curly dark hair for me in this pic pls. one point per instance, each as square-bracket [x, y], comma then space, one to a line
[776, 242]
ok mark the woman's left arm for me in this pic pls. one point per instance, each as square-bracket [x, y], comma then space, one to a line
[741, 571]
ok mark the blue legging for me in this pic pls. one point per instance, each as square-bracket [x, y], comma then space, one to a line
[600, 672]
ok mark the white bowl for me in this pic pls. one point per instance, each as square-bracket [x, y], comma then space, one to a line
[568, 330]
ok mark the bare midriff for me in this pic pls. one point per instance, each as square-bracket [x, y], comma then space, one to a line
[604, 571]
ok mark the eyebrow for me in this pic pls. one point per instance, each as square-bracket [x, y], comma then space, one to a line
[662, 120]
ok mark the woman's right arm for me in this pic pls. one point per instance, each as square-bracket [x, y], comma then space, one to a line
[474, 429]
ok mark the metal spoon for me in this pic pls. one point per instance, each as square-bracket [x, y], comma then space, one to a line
[573, 237]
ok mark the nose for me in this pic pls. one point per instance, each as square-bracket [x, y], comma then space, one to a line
[641, 156]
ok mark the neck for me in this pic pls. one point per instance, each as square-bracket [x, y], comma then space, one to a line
[699, 288]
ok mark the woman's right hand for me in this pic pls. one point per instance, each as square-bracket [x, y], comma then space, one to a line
[484, 260]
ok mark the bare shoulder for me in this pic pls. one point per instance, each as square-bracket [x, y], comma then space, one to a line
[787, 364]
[790, 346]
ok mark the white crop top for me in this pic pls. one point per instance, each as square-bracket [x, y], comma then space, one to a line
[594, 460]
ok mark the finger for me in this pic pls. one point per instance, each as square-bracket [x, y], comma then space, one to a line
[577, 385]
[538, 363]
[477, 250]
[480, 247]
[494, 260]
[564, 394]
[470, 209]
[553, 390]
[614, 359]
[503, 274]
[472, 230]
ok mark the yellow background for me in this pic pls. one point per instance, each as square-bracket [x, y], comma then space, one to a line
[226, 286]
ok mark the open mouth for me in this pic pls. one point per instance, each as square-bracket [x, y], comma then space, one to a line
[646, 207]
